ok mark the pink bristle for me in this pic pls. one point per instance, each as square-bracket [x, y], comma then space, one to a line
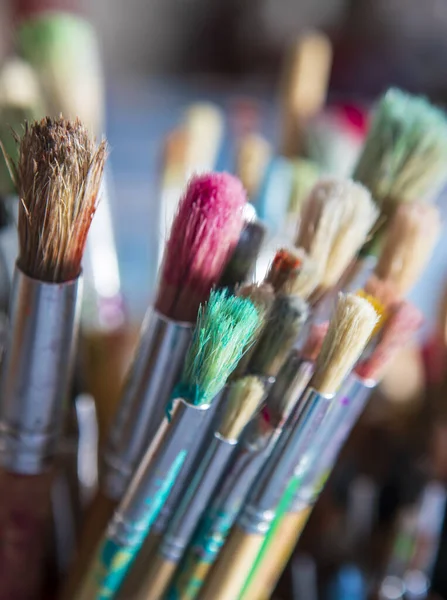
[314, 341]
[402, 323]
[205, 231]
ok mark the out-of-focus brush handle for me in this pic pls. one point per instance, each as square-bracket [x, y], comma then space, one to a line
[157, 578]
[227, 577]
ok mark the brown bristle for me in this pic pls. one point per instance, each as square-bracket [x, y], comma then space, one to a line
[293, 273]
[58, 176]
[314, 341]
[261, 294]
[411, 237]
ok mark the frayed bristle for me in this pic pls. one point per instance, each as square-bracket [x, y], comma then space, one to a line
[244, 398]
[240, 266]
[336, 219]
[405, 153]
[261, 294]
[204, 233]
[287, 317]
[379, 307]
[226, 326]
[402, 324]
[292, 273]
[357, 219]
[409, 243]
[349, 331]
[58, 176]
[384, 290]
[314, 341]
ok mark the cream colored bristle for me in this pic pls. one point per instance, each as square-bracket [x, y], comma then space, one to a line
[253, 155]
[204, 126]
[358, 217]
[409, 243]
[349, 330]
[243, 400]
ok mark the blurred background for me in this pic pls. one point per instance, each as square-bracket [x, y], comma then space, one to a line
[158, 59]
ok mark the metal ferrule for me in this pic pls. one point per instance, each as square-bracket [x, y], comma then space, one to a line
[266, 494]
[189, 466]
[317, 463]
[36, 370]
[196, 499]
[152, 376]
[153, 481]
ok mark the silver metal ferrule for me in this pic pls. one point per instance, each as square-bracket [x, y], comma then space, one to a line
[36, 371]
[196, 498]
[189, 467]
[147, 390]
[153, 481]
[267, 491]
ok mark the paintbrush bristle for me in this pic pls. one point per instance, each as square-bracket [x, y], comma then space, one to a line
[253, 155]
[239, 267]
[58, 175]
[244, 398]
[314, 341]
[403, 322]
[292, 273]
[379, 307]
[384, 290]
[335, 221]
[261, 294]
[286, 319]
[405, 153]
[204, 233]
[226, 326]
[409, 243]
[349, 330]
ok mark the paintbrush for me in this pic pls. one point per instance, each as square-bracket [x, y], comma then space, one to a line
[292, 273]
[335, 222]
[244, 398]
[205, 230]
[399, 327]
[57, 176]
[253, 155]
[349, 330]
[257, 443]
[402, 161]
[225, 326]
[241, 264]
[409, 242]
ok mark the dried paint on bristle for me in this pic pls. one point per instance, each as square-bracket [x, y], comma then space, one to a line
[240, 266]
[286, 319]
[204, 234]
[243, 400]
[314, 342]
[411, 237]
[349, 330]
[58, 175]
[385, 291]
[405, 153]
[359, 213]
[379, 307]
[292, 273]
[226, 326]
[402, 324]
[261, 294]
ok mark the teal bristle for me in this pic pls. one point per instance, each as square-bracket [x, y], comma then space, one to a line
[405, 152]
[226, 326]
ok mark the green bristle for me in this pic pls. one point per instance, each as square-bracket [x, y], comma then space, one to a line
[405, 153]
[287, 316]
[226, 325]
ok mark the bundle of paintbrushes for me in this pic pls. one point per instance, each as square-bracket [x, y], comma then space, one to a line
[226, 325]
[57, 174]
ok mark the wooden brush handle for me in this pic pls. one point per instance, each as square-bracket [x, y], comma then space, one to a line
[135, 580]
[228, 575]
[190, 577]
[281, 547]
[25, 510]
[96, 520]
[157, 579]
